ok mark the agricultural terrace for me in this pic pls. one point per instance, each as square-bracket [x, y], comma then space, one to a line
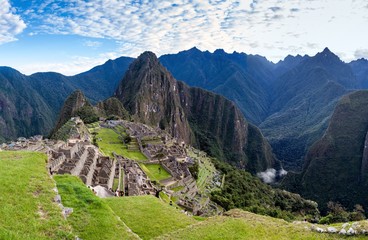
[110, 141]
[155, 172]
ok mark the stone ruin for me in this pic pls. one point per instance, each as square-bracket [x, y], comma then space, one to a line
[172, 156]
[135, 180]
[82, 159]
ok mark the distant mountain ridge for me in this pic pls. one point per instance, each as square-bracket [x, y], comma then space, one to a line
[230, 75]
[30, 105]
[291, 101]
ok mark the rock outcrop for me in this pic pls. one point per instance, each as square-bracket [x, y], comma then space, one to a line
[72, 104]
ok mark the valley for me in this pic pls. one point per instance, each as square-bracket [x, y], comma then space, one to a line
[156, 139]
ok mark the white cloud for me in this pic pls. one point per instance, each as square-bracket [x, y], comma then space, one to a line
[361, 53]
[270, 175]
[161, 26]
[271, 28]
[92, 44]
[10, 23]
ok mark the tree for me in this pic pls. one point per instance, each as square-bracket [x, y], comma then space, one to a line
[357, 214]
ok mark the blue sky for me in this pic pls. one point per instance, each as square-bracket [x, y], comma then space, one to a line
[71, 36]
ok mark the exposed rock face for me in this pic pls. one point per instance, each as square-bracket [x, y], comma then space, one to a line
[150, 93]
[72, 104]
[336, 165]
[198, 117]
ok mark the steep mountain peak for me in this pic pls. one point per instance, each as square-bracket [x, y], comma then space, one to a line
[193, 49]
[152, 96]
[219, 51]
[327, 54]
[150, 93]
[148, 56]
[326, 50]
[72, 104]
[147, 60]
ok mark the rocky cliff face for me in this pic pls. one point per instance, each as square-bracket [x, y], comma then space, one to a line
[204, 119]
[150, 93]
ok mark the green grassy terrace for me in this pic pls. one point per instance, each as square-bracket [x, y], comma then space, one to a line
[109, 142]
[27, 210]
[245, 225]
[92, 218]
[148, 216]
[155, 172]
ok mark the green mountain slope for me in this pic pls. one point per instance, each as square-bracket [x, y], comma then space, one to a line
[23, 111]
[29, 104]
[335, 168]
[304, 99]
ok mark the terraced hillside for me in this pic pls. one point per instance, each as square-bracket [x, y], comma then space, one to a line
[28, 212]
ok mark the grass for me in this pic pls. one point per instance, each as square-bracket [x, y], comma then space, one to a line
[148, 216]
[110, 142]
[92, 218]
[178, 188]
[116, 182]
[27, 209]
[155, 172]
[246, 225]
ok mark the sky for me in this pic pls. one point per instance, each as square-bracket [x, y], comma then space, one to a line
[72, 36]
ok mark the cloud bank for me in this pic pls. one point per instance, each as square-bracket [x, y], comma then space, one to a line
[272, 28]
[10, 23]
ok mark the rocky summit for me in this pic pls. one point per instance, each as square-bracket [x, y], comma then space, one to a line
[195, 116]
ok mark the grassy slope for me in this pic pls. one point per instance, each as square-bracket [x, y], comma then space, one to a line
[246, 225]
[152, 171]
[26, 207]
[110, 143]
[92, 218]
[148, 216]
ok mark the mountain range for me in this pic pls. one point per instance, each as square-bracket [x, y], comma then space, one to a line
[290, 101]
[30, 105]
